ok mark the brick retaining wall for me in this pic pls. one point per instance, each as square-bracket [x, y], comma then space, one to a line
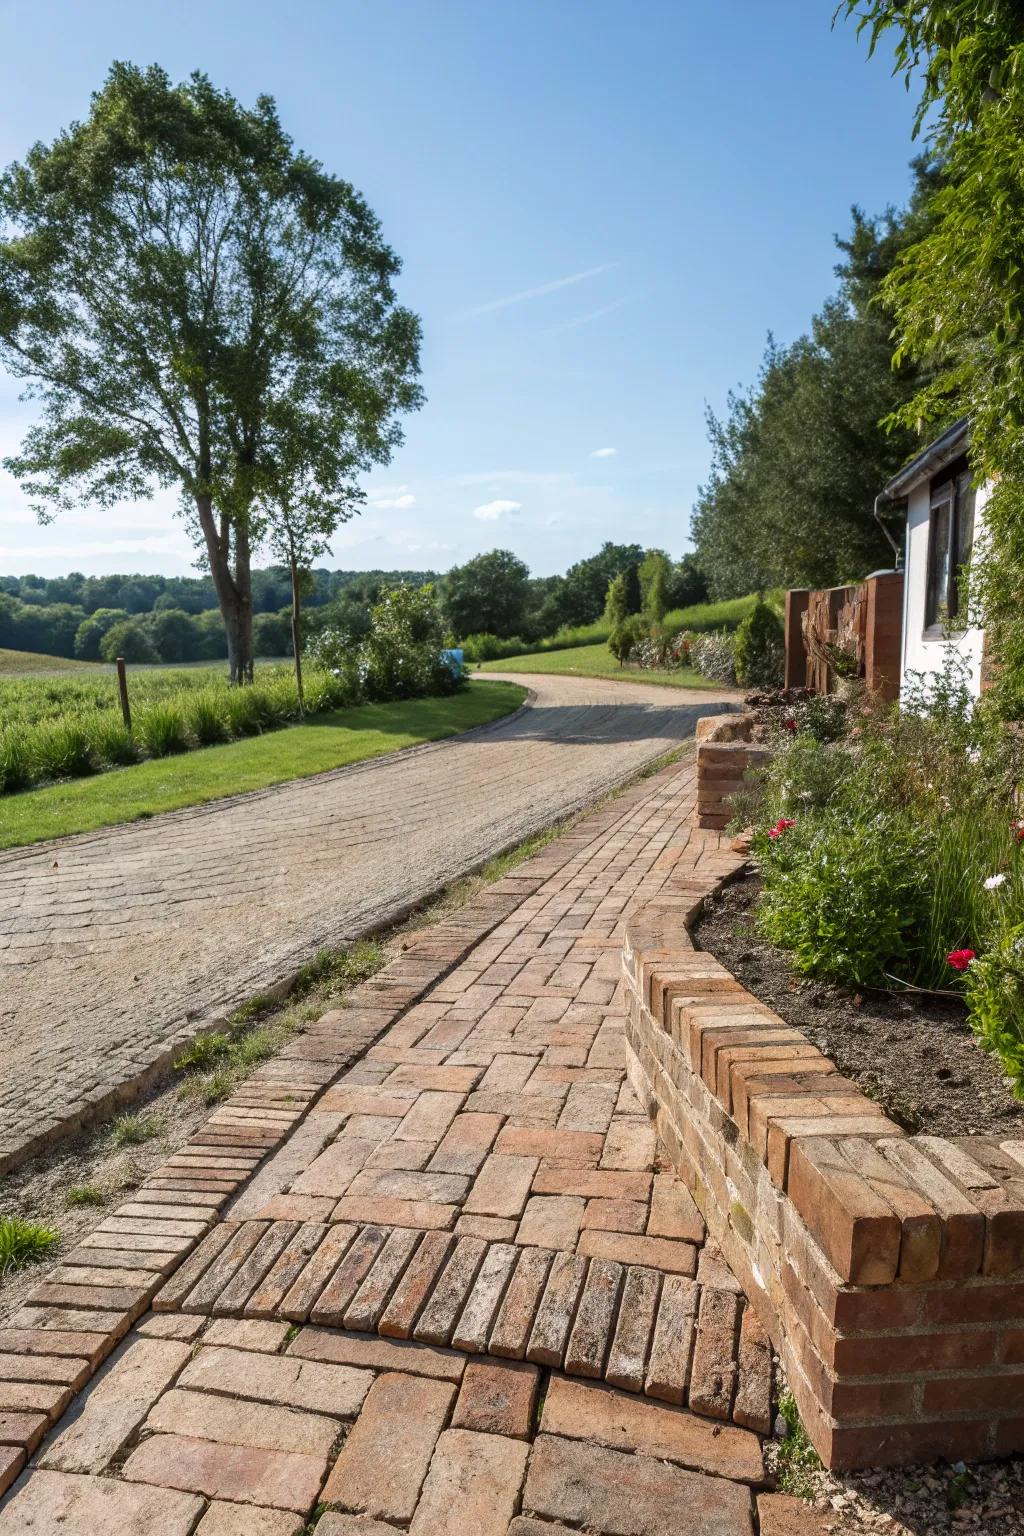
[724, 756]
[889, 1270]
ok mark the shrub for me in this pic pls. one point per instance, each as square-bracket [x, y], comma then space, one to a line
[204, 718]
[113, 741]
[626, 637]
[845, 895]
[994, 987]
[15, 763]
[61, 749]
[759, 653]
[713, 656]
[162, 730]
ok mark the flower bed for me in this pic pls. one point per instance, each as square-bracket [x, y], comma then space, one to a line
[944, 1085]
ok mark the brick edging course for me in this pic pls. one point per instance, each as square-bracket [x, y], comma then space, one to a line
[889, 1270]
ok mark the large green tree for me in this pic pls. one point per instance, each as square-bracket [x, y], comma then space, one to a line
[184, 291]
[487, 595]
[957, 293]
[798, 460]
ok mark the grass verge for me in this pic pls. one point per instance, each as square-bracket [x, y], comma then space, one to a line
[331, 740]
[596, 661]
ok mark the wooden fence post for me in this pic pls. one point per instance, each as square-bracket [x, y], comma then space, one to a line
[122, 688]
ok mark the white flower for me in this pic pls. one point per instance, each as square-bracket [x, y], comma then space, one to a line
[994, 882]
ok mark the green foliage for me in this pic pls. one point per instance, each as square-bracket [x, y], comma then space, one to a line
[617, 604]
[585, 587]
[843, 895]
[797, 1458]
[654, 576]
[627, 636]
[162, 730]
[133, 1130]
[994, 986]
[487, 593]
[957, 294]
[728, 613]
[23, 1242]
[902, 847]
[130, 641]
[198, 304]
[759, 653]
[85, 1194]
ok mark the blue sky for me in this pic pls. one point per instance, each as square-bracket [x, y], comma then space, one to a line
[603, 206]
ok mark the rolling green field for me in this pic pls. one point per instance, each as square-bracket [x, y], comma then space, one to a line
[34, 664]
[329, 740]
[595, 661]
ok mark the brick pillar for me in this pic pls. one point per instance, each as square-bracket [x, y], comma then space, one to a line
[796, 659]
[883, 634]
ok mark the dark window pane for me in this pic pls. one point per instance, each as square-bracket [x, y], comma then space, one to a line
[940, 556]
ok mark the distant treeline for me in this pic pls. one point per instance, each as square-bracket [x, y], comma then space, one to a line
[176, 618]
[171, 618]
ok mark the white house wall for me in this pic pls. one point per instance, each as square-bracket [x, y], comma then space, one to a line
[921, 654]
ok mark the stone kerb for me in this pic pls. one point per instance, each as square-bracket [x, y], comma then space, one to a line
[725, 754]
[888, 1269]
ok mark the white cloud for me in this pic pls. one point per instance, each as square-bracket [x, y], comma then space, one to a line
[492, 510]
[394, 503]
[539, 292]
[604, 453]
[594, 314]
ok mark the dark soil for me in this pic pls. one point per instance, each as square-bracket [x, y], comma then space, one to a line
[915, 1055]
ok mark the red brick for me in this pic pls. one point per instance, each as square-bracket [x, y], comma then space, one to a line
[12, 1459]
[668, 1367]
[473, 1485]
[591, 1333]
[387, 1453]
[856, 1228]
[673, 1213]
[280, 1479]
[366, 1353]
[616, 1215]
[588, 1485]
[652, 1252]
[514, 1320]
[551, 1326]
[714, 1368]
[496, 1398]
[415, 1286]
[115, 1406]
[580, 1410]
[627, 1357]
[781, 1514]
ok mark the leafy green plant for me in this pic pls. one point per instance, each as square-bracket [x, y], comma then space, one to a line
[132, 1130]
[23, 1242]
[843, 894]
[797, 1458]
[113, 741]
[204, 718]
[162, 730]
[15, 763]
[994, 988]
[62, 750]
[85, 1194]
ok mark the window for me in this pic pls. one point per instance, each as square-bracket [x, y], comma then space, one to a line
[949, 546]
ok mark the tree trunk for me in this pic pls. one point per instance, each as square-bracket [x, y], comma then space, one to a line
[296, 638]
[233, 588]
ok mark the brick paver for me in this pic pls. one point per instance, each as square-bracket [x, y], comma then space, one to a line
[457, 1347]
[115, 946]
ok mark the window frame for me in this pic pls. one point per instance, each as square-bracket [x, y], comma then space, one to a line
[955, 480]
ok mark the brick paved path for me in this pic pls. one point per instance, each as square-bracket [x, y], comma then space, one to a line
[114, 946]
[448, 1288]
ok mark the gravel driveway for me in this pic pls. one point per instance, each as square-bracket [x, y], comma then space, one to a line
[115, 946]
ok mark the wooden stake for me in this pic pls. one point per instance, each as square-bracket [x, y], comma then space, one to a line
[122, 688]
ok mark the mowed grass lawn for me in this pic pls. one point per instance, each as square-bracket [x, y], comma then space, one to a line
[595, 661]
[33, 664]
[330, 740]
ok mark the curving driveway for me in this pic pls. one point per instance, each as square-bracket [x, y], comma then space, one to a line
[116, 945]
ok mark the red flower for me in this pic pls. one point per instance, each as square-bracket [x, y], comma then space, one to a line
[790, 724]
[1017, 828]
[782, 825]
[960, 959]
